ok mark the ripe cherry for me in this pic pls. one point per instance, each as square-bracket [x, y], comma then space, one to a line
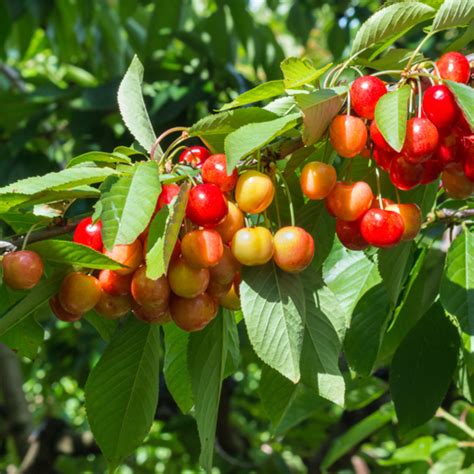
[22, 270]
[113, 307]
[379, 139]
[79, 292]
[207, 205]
[411, 216]
[381, 228]
[431, 170]
[405, 175]
[168, 193]
[294, 249]
[231, 300]
[194, 155]
[448, 150]
[349, 201]
[383, 158]
[348, 135]
[365, 93]
[253, 246]
[457, 186]
[317, 179]
[376, 203]
[129, 255]
[218, 290]
[115, 284]
[421, 140]
[254, 192]
[193, 314]
[439, 106]
[185, 280]
[454, 66]
[202, 248]
[469, 166]
[61, 313]
[349, 234]
[214, 171]
[233, 221]
[226, 269]
[146, 291]
[90, 234]
[152, 314]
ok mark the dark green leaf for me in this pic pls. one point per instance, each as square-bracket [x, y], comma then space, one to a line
[105, 327]
[25, 338]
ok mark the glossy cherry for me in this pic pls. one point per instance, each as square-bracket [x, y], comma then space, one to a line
[214, 171]
[193, 314]
[146, 291]
[448, 151]
[349, 201]
[411, 216]
[152, 314]
[226, 269]
[114, 283]
[253, 246]
[218, 290]
[440, 107]
[469, 166]
[349, 234]
[233, 221]
[22, 270]
[381, 228]
[421, 140]
[365, 93]
[168, 193]
[381, 203]
[317, 179]
[194, 155]
[88, 233]
[383, 158]
[131, 256]
[61, 313]
[79, 292]
[348, 135]
[431, 170]
[207, 205]
[457, 186]
[202, 248]
[454, 66]
[231, 300]
[405, 175]
[113, 307]
[254, 192]
[185, 280]
[293, 249]
[379, 139]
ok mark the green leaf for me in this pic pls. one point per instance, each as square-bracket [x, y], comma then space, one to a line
[298, 72]
[233, 343]
[122, 389]
[25, 338]
[417, 450]
[22, 222]
[207, 352]
[250, 138]
[389, 23]
[319, 108]
[361, 392]
[99, 157]
[457, 285]
[105, 327]
[423, 367]
[264, 91]
[452, 14]
[273, 307]
[175, 367]
[132, 106]
[129, 205]
[450, 462]
[70, 253]
[391, 114]
[464, 96]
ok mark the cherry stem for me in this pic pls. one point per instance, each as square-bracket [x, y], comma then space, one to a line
[417, 50]
[288, 196]
[420, 96]
[379, 188]
[348, 104]
[442, 413]
[156, 146]
[277, 208]
[27, 236]
[397, 194]
[389, 71]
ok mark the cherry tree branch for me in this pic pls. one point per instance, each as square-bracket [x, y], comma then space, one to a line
[449, 216]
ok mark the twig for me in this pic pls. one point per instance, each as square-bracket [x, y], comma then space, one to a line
[448, 216]
[442, 413]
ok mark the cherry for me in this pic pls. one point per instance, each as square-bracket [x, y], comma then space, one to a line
[349, 201]
[207, 205]
[61, 313]
[447, 152]
[421, 140]
[348, 135]
[202, 248]
[411, 216]
[214, 171]
[217, 289]
[168, 193]
[194, 155]
[233, 221]
[349, 234]
[231, 300]
[365, 93]
[113, 307]
[454, 66]
[193, 314]
[152, 314]
[294, 249]
[376, 203]
[253, 246]
[463, 124]
[115, 284]
[317, 180]
[383, 158]
[185, 280]
[469, 165]
[405, 175]
[146, 291]
[89, 234]
[457, 186]
[439, 106]
[254, 192]
[379, 139]
[22, 270]
[431, 171]
[226, 269]
[129, 255]
[79, 292]
[382, 228]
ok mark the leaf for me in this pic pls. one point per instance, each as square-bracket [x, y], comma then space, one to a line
[105, 327]
[264, 91]
[464, 96]
[457, 284]
[71, 253]
[122, 390]
[389, 23]
[450, 462]
[129, 205]
[298, 72]
[175, 367]
[417, 450]
[25, 338]
[99, 157]
[281, 106]
[233, 343]
[132, 106]
[273, 308]
[319, 108]
[452, 14]
[361, 392]
[250, 138]
[423, 367]
[207, 352]
[391, 114]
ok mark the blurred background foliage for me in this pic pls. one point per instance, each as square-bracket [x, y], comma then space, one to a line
[60, 65]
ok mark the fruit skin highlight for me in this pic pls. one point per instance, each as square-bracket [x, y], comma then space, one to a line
[365, 93]
[22, 270]
[349, 201]
[317, 180]
[381, 228]
[79, 292]
[348, 135]
[253, 246]
[206, 206]
[254, 192]
[89, 234]
[294, 249]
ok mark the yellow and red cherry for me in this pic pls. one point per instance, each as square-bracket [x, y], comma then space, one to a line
[349, 201]
[226, 269]
[202, 248]
[254, 192]
[185, 280]
[131, 256]
[253, 246]
[405, 175]
[349, 234]
[168, 193]
[365, 93]
[457, 186]
[455, 67]
[382, 228]
[79, 292]
[411, 216]
[348, 135]
[317, 179]
[233, 221]
[232, 299]
[385, 202]
[22, 270]
[207, 205]
[61, 313]
[214, 170]
[113, 307]
[421, 140]
[379, 139]
[89, 234]
[293, 249]
[217, 289]
[193, 314]
[115, 284]
[151, 314]
[146, 291]
[440, 107]
[195, 156]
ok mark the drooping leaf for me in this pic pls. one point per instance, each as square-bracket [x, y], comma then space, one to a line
[99, 157]
[452, 14]
[264, 91]
[464, 96]
[105, 327]
[298, 72]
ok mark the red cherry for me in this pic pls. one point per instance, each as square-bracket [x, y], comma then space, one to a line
[378, 138]
[431, 171]
[421, 140]
[405, 175]
[348, 135]
[349, 234]
[365, 93]
[89, 234]
[206, 205]
[448, 150]
[468, 155]
[194, 155]
[115, 284]
[382, 228]
[61, 313]
[349, 201]
[214, 171]
[168, 192]
[439, 106]
[463, 124]
[454, 66]
[383, 158]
